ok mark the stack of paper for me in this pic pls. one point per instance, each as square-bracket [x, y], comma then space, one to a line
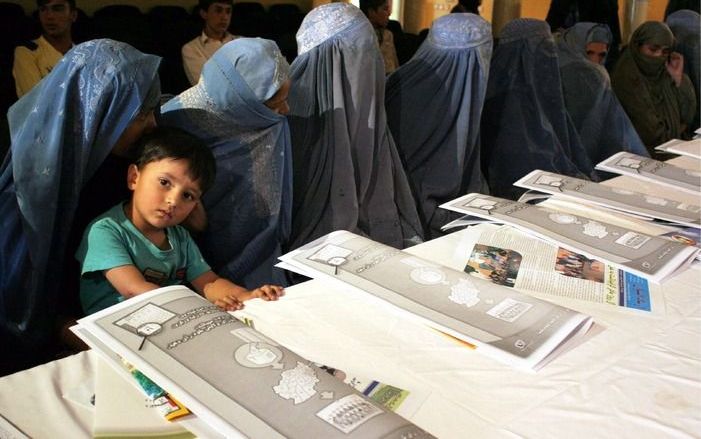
[236, 380]
[509, 326]
[651, 257]
[645, 168]
[624, 200]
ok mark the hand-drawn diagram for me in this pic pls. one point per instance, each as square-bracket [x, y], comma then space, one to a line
[349, 412]
[465, 293]
[297, 384]
[596, 230]
[259, 351]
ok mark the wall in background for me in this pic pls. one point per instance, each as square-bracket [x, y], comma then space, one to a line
[90, 6]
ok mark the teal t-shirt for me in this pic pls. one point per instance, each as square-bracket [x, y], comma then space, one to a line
[111, 241]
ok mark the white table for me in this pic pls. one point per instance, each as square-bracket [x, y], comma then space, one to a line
[638, 376]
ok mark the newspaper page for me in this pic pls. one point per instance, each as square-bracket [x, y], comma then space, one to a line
[509, 326]
[691, 148]
[507, 257]
[232, 377]
[645, 168]
[625, 200]
[651, 257]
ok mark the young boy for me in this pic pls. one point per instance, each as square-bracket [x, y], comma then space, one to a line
[138, 245]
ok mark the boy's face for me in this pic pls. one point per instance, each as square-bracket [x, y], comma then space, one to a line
[56, 18]
[164, 194]
[216, 19]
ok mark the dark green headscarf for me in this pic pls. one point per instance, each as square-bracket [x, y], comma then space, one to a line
[654, 103]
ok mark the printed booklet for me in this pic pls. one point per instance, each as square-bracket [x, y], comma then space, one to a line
[645, 168]
[690, 148]
[509, 326]
[628, 201]
[233, 378]
[652, 257]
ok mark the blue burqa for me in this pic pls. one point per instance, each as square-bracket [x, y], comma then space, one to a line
[525, 125]
[61, 133]
[601, 122]
[434, 103]
[347, 173]
[249, 206]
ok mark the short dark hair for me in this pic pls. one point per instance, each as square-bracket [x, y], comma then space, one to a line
[366, 5]
[41, 3]
[205, 4]
[176, 144]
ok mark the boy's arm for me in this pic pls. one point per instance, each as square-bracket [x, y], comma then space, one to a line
[228, 295]
[128, 281]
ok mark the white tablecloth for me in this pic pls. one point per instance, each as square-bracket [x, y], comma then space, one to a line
[637, 376]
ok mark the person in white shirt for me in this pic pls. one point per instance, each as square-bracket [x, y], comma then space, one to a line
[217, 16]
[35, 59]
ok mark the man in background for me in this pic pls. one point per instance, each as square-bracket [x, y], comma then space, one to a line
[35, 59]
[378, 12]
[217, 16]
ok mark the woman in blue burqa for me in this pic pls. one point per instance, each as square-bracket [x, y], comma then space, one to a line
[434, 103]
[237, 108]
[347, 173]
[525, 125]
[98, 99]
[686, 27]
[602, 124]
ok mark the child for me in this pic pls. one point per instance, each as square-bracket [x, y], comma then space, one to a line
[138, 245]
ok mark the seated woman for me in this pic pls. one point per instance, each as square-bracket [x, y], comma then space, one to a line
[438, 138]
[238, 109]
[601, 122]
[649, 81]
[686, 27]
[99, 98]
[525, 125]
[347, 173]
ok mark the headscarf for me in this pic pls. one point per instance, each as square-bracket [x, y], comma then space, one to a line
[563, 14]
[61, 133]
[686, 27]
[603, 126]
[655, 105]
[438, 138]
[249, 206]
[347, 173]
[525, 125]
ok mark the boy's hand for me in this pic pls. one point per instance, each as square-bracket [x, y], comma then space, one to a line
[228, 303]
[268, 292]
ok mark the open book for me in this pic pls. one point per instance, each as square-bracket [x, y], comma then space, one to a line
[651, 257]
[509, 326]
[645, 168]
[236, 380]
[576, 189]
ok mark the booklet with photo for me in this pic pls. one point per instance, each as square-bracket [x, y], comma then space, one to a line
[236, 380]
[508, 257]
[654, 258]
[691, 148]
[645, 168]
[512, 327]
[624, 200]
